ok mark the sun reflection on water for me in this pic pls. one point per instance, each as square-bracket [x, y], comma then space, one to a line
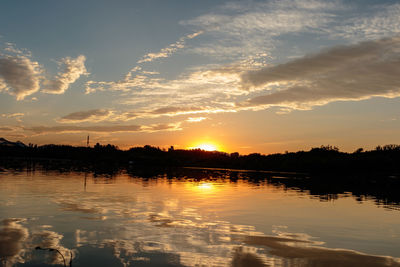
[204, 188]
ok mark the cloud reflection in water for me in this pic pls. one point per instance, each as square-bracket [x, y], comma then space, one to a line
[150, 226]
[170, 223]
[12, 238]
[18, 242]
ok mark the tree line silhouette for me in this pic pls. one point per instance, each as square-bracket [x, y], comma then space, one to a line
[324, 172]
[324, 159]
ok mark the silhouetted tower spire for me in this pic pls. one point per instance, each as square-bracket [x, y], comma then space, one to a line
[87, 141]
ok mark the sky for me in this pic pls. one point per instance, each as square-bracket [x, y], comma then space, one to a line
[245, 76]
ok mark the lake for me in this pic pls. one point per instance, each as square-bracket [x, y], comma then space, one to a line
[191, 217]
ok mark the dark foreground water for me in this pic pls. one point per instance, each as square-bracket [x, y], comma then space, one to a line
[198, 218]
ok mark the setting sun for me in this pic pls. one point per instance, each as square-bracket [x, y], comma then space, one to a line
[205, 146]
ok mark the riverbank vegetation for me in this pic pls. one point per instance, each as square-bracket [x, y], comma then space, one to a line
[324, 159]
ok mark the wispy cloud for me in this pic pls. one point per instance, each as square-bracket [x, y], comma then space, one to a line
[153, 96]
[93, 115]
[100, 115]
[17, 116]
[172, 48]
[376, 22]
[124, 116]
[7, 129]
[125, 85]
[162, 127]
[196, 119]
[246, 34]
[352, 72]
[73, 68]
[242, 29]
[171, 110]
[276, 17]
[12, 115]
[104, 128]
[243, 32]
[175, 111]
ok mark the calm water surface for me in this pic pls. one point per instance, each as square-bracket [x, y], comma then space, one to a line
[195, 220]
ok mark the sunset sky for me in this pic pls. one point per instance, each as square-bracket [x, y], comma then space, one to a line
[245, 76]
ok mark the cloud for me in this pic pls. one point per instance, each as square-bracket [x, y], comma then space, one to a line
[103, 129]
[13, 115]
[247, 35]
[196, 119]
[181, 110]
[3, 85]
[352, 72]
[19, 75]
[125, 116]
[124, 85]
[98, 115]
[71, 129]
[7, 129]
[17, 116]
[163, 127]
[93, 115]
[276, 20]
[369, 26]
[73, 68]
[209, 89]
[246, 28]
[171, 110]
[172, 48]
